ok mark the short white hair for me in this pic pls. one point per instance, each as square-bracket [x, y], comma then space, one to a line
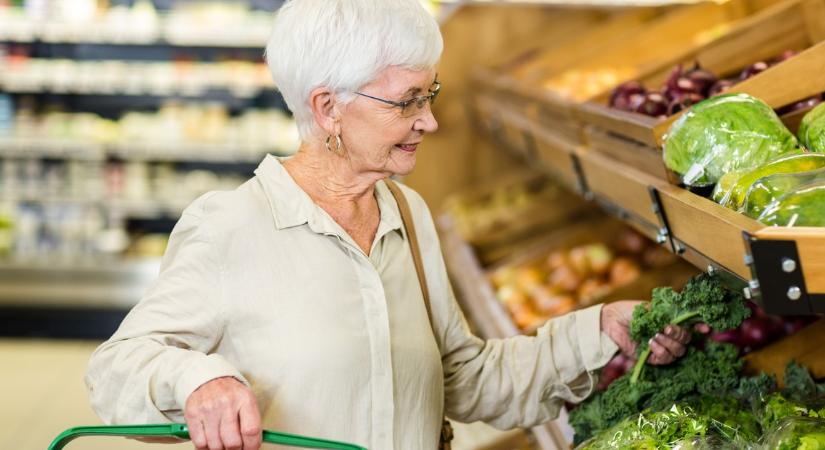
[344, 45]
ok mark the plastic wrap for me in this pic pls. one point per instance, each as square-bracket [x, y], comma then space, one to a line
[734, 132]
[678, 428]
[767, 190]
[795, 433]
[812, 129]
[732, 188]
[802, 207]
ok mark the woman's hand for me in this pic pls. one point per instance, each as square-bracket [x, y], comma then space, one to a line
[222, 414]
[665, 347]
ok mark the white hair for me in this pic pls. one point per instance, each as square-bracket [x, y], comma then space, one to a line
[344, 45]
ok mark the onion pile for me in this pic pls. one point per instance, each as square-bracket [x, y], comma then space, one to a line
[685, 88]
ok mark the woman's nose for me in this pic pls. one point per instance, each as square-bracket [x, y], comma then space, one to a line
[426, 122]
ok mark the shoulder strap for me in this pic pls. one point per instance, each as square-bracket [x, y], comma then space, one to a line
[409, 226]
[406, 218]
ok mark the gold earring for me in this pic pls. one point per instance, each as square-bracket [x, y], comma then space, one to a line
[338, 144]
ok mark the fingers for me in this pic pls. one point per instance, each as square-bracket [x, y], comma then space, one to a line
[678, 334]
[702, 328]
[197, 434]
[665, 349]
[230, 432]
[213, 432]
[250, 425]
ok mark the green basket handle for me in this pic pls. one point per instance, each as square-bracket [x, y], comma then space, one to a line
[181, 431]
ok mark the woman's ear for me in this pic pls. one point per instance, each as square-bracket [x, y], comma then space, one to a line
[324, 110]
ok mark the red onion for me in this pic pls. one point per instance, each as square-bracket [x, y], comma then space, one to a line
[655, 105]
[720, 87]
[621, 96]
[753, 69]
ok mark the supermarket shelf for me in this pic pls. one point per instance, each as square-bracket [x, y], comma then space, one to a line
[220, 94]
[167, 32]
[17, 147]
[229, 79]
[133, 209]
[70, 283]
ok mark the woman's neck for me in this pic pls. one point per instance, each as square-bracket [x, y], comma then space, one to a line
[331, 180]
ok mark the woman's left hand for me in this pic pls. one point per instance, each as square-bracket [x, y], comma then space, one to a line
[665, 347]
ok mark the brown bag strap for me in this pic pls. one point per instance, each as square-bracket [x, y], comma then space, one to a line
[409, 226]
[406, 218]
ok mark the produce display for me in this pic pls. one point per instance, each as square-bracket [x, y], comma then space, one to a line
[812, 129]
[567, 279]
[803, 206]
[733, 187]
[760, 171]
[767, 190]
[702, 398]
[726, 133]
[755, 332]
[685, 88]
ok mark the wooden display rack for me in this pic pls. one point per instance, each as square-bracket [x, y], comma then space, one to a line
[790, 25]
[779, 265]
[633, 43]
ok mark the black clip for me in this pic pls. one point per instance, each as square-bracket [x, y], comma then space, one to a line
[664, 234]
[581, 180]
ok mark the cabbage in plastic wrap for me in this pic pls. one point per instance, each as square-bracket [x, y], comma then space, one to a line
[801, 207]
[723, 134]
[767, 190]
[796, 433]
[812, 129]
[732, 188]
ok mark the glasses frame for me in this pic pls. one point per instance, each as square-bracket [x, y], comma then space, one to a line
[418, 101]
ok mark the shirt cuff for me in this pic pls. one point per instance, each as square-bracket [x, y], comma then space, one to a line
[595, 347]
[201, 370]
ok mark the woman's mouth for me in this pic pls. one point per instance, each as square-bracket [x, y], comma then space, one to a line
[410, 148]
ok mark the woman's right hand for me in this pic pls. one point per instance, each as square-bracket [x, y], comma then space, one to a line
[222, 414]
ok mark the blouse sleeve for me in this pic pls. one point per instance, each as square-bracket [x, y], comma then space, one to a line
[160, 354]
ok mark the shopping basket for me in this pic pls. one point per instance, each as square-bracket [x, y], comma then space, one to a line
[180, 430]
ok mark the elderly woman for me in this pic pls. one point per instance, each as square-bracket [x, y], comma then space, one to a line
[293, 302]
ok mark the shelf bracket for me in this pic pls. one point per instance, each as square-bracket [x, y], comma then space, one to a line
[581, 180]
[777, 278]
[664, 234]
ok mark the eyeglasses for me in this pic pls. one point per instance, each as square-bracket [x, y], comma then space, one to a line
[407, 109]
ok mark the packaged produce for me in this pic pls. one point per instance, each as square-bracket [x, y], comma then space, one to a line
[803, 207]
[722, 134]
[678, 427]
[767, 190]
[732, 188]
[812, 129]
[796, 433]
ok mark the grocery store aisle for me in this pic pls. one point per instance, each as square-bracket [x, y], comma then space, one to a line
[42, 394]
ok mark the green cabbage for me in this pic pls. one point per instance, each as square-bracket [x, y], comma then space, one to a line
[802, 207]
[733, 186]
[723, 134]
[812, 129]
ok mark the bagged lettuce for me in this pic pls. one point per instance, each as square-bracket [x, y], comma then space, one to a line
[732, 188]
[733, 132]
[812, 129]
[767, 190]
[802, 207]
